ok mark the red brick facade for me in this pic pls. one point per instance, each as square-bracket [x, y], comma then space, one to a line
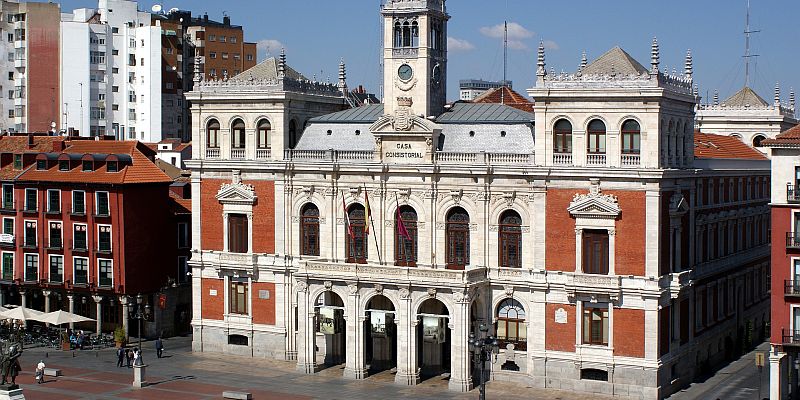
[559, 337]
[264, 217]
[213, 306]
[211, 214]
[263, 309]
[560, 254]
[628, 332]
[630, 241]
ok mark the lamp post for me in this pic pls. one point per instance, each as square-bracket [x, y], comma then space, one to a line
[482, 349]
[140, 313]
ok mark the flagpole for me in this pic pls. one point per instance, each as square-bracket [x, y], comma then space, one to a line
[397, 228]
[347, 230]
[372, 223]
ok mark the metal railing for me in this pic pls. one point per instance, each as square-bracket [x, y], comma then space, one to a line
[792, 194]
[793, 240]
[791, 287]
[789, 336]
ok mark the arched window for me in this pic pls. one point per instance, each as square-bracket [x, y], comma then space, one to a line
[356, 236]
[414, 34]
[596, 137]
[237, 134]
[405, 237]
[757, 140]
[510, 239]
[264, 128]
[457, 234]
[309, 230]
[292, 134]
[511, 326]
[631, 137]
[398, 35]
[562, 137]
[406, 34]
[212, 134]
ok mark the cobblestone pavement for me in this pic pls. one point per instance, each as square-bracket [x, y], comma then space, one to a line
[183, 375]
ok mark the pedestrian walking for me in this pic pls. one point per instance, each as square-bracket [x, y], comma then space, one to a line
[40, 372]
[159, 347]
[120, 356]
[128, 357]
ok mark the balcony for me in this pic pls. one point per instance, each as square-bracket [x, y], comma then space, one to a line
[790, 337]
[237, 154]
[19, 63]
[7, 240]
[103, 250]
[630, 160]
[414, 275]
[263, 154]
[595, 159]
[212, 153]
[562, 159]
[792, 194]
[55, 244]
[793, 240]
[791, 288]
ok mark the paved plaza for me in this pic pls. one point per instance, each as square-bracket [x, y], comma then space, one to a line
[183, 375]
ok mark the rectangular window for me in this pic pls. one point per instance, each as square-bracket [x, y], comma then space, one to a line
[595, 252]
[237, 233]
[8, 227]
[183, 235]
[104, 238]
[78, 202]
[97, 57]
[31, 267]
[8, 197]
[595, 325]
[86, 166]
[238, 297]
[80, 273]
[63, 165]
[79, 237]
[30, 234]
[56, 268]
[102, 203]
[17, 160]
[41, 165]
[105, 275]
[53, 201]
[8, 266]
[112, 166]
[56, 238]
[31, 198]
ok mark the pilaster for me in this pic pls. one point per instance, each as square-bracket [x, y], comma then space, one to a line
[355, 367]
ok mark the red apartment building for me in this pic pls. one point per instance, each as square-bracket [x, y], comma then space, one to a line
[87, 226]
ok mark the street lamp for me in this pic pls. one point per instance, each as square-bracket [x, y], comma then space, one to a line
[482, 349]
[140, 313]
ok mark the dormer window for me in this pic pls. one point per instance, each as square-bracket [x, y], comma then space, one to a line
[17, 161]
[112, 166]
[63, 165]
[87, 166]
[41, 165]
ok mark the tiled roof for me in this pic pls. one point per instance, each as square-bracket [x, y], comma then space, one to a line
[267, 69]
[745, 98]
[507, 96]
[19, 144]
[708, 145]
[614, 61]
[472, 113]
[179, 205]
[787, 138]
[141, 169]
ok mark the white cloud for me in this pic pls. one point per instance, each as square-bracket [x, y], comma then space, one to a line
[454, 44]
[269, 47]
[550, 45]
[516, 32]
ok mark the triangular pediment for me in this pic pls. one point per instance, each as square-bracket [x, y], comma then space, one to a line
[594, 205]
[236, 193]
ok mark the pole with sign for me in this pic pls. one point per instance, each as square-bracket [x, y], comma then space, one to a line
[760, 365]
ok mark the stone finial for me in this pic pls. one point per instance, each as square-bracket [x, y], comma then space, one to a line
[654, 56]
[197, 75]
[689, 67]
[791, 98]
[777, 94]
[282, 64]
[540, 70]
[716, 97]
[342, 77]
[695, 90]
[584, 61]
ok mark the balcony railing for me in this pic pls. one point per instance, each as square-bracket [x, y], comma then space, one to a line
[792, 194]
[791, 287]
[595, 159]
[212, 153]
[237, 154]
[790, 337]
[562, 159]
[793, 240]
[263, 154]
[630, 160]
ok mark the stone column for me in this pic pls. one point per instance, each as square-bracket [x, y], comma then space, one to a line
[22, 299]
[71, 298]
[459, 348]
[306, 346]
[125, 301]
[407, 373]
[47, 294]
[777, 376]
[99, 305]
[355, 366]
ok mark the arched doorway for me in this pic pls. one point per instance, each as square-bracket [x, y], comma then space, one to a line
[380, 332]
[330, 329]
[433, 339]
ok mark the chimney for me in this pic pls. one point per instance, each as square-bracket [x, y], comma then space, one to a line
[30, 140]
[205, 17]
[226, 20]
[58, 146]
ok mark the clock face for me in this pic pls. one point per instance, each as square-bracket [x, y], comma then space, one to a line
[405, 72]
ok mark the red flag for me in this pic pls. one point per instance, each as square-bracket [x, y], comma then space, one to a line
[401, 227]
[347, 220]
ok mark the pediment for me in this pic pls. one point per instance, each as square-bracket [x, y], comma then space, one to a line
[594, 205]
[236, 193]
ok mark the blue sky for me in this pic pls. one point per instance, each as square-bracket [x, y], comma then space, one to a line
[317, 33]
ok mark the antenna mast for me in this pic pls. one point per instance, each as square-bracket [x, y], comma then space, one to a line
[505, 61]
[747, 55]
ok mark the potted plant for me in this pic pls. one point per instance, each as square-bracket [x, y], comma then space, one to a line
[119, 336]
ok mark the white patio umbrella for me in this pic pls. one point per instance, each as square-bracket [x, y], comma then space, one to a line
[22, 314]
[60, 317]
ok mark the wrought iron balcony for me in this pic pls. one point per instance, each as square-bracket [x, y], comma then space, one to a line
[790, 337]
[793, 240]
[791, 288]
[792, 193]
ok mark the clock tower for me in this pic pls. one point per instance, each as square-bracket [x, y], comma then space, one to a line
[415, 55]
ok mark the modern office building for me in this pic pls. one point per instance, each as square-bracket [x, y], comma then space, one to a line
[470, 89]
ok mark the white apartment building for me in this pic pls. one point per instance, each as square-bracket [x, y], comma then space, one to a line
[111, 71]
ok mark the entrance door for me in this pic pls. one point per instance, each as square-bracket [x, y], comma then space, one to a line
[381, 335]
[433, 339]
[330, 329]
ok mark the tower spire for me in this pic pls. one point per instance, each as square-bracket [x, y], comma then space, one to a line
[689, 68]
[342, 78]
[716, 97]
[282, 64]
[540, 64]
[654, 56]
[777, 95]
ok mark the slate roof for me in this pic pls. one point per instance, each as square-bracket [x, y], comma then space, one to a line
[490, 138]
[267, 69]
[342, 136]
[787, 138]
[744, 98]
[617, 61]
[365, 114]
[507, 96]
[472, 113]
[708, 145]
